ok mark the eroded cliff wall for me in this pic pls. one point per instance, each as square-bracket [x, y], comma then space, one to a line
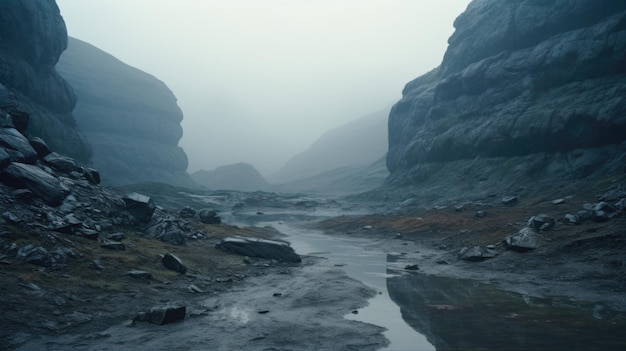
[131, 118]
[32, 37]
[527, 90]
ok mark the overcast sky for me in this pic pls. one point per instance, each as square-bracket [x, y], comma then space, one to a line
[259, 81]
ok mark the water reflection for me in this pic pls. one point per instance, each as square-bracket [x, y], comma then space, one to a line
[465, 315]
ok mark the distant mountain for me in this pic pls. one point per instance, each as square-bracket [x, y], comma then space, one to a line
[130, 118]
[239, 176]
[340, 181]
[356, 144]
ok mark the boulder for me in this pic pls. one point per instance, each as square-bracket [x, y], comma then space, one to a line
[476, 253]
[40, 146]
[570, 219]
[139, 206]
[61, 163]
[209, 216]
[162, 315]
[17, 146]
[167, 230]
[260, 248]
[5, 158]
[524, 240]
[135, 273]
[541, 222]
[509, 200]
[44, 185]
[187, 212]
[170, 261]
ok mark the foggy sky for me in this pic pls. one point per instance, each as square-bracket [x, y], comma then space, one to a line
[259, 81]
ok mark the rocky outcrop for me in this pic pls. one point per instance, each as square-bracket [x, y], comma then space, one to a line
[32, 37]
[239, 176]
[526, 90]
[130, 117]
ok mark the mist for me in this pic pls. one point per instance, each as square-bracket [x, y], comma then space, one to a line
[258, 82]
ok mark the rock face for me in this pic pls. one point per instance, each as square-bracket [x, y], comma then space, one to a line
[32, 37]
[239, 176]
[526, 89]
[131, 118]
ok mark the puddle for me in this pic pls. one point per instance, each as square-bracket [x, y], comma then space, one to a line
[425, 312]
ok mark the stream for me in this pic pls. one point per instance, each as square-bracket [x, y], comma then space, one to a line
[427, 312]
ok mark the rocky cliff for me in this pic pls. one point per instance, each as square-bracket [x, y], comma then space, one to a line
[130, 117]
[527, 91]
[32, 37]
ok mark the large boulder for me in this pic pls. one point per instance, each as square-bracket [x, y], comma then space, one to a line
[139, 206]
[260, 248]
[46, 186]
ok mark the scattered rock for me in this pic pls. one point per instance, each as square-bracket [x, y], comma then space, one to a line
[194, 289]
[61, 163]
[524, 240]
[187, 212]
[509, 200]
[570, 219]
[558, 201]
[475, 253]
[44, 185]
[480, 214]
[174, 263]
[541, 222]
[162, 315]
[584, 215]
[112, 245]
[260, 248]
[367, 227]
[135, 273]
[209, 216]
[139, 206]
[96, 264]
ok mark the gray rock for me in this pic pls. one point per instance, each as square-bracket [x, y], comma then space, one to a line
[112, 245]
[162, 315]
[475, 253]
[541, 222]
[480, 214]
[5, 158]
[44, 185]
[187, 212]
[524, 240]
[139, 206]
[17, 146]
[558, 201]
[40, 146]
[11, 217]
[209, 216]
[61, 163]
[570, 219]
[167, 230]
[135, 273]
[260, 248]
[584, 215]
[509, 200]
[170, 261]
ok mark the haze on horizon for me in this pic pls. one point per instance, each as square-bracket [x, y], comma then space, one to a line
[260, 81]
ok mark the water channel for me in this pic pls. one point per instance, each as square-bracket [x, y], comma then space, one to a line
[425, 312]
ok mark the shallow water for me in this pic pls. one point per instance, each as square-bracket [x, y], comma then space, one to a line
[425, 312]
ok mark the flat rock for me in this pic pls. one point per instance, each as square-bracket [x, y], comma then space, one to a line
[17, 146]
[44, 185]
[260, 248]
[524, 240]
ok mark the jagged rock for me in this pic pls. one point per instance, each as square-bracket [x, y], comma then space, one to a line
[162, 315]
[524, 240]
[96, 265]
[19, 175]
[170, 261]
[40, 146]
[187, 212]
[602, 212]
[61, 163]
[253, 247]
[17, 146]
[541, 222]
[11, 217]
[509, 200]
[23, 195]
[33, 254]
[167, 230]
[209, 216]
[139, 206]
[92, 175]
